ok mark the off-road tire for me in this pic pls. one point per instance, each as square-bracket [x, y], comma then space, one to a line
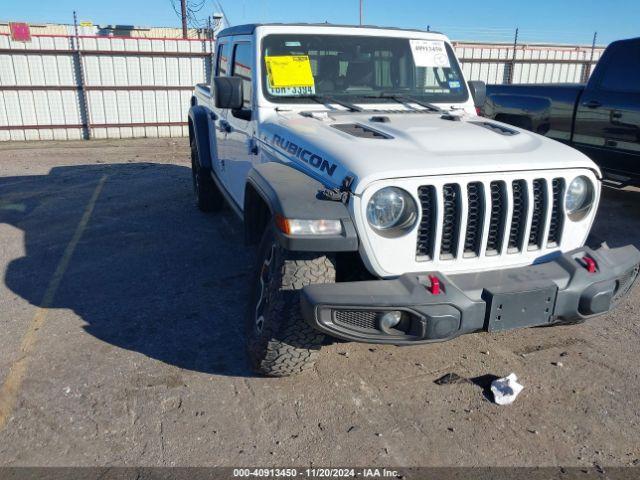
[208, 197]
[282, 343]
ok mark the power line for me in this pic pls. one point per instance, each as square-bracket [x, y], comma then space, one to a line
[189, 12]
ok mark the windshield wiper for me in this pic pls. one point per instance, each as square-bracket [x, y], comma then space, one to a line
[401, 98]
[324, 99]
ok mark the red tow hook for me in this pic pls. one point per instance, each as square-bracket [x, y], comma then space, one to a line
[434, 288]
[589, 264]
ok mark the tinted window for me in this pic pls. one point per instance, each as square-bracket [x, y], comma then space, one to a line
[622, 70]
[222, 66]
[242, 68]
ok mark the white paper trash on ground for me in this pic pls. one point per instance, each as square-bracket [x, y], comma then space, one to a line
[505, 390]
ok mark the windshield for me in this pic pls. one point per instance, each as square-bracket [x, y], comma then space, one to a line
[299, 68]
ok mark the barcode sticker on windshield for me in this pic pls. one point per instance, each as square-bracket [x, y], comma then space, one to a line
[289, 71]
[291, 91]
[429, 53]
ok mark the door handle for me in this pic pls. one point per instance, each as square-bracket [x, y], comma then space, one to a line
[592, 104]
[616, 114]
[252, 147]
[611, 143]
[225, 126]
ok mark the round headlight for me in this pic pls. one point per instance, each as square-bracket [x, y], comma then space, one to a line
[579, 198]
[392, 211]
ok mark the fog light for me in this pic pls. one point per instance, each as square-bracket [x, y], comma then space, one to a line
[389, 320]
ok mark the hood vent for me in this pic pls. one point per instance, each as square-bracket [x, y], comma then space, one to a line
[494, 127]
[361, 131]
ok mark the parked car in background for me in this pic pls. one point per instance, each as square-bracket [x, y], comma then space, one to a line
[601, 118]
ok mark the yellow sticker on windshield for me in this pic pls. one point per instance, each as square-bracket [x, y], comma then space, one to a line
[289, 71]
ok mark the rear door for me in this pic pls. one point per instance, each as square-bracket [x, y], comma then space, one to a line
[607, 124]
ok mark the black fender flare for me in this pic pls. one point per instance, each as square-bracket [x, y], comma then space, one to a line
[293, 194]
[199, 131]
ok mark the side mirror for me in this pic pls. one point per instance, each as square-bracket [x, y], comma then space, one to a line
[227, 92]
[478, 92]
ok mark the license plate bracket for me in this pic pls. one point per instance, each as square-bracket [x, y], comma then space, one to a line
[507, 310]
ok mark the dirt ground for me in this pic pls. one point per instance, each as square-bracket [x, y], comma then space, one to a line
[121, 309]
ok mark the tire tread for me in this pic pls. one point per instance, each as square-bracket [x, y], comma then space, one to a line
[292, 345]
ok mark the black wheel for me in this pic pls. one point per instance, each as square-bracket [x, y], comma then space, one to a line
[279, 341]
[208, 197]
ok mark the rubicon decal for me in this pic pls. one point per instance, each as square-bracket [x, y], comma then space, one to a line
[313, 159]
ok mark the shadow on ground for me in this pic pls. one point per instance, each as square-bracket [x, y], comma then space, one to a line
[150, 273]
[618, 219]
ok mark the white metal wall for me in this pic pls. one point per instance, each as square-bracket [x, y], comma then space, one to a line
[140, 87]
[533, 63]
[143, 93]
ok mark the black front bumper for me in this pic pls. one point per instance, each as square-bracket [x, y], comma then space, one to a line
[562, 290]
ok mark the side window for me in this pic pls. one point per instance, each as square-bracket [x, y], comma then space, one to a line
[222, 62]
[242, 68]
[622, 70]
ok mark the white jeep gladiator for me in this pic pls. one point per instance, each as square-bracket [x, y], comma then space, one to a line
[385, 210]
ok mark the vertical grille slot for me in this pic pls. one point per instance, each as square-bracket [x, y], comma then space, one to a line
[538, 215]
[557, 213]
[495, 238]
[450, 221]
[475, 219]
[519, 218]
[426, 231]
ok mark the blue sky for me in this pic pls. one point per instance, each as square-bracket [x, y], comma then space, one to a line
[563, 21]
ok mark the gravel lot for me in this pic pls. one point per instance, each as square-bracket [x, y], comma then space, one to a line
[121, 308]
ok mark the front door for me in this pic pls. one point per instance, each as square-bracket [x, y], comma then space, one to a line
[219, 127]
[240, 125]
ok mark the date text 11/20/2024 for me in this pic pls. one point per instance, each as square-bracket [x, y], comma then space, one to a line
[314, 473]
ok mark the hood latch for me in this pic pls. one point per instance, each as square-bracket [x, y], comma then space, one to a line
[338, 194]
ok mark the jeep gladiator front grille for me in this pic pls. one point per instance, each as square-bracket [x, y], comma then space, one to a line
[474, 219]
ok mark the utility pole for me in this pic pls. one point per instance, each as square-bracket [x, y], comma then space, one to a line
[183, 7]
[361, 12]
[512, 67]
[85, 116]
[587, 68]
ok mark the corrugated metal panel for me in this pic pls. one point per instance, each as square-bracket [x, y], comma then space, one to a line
[31, 99]
[533, 63]
[135, 32]
[139, 80]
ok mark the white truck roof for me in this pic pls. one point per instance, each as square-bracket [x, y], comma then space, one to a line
[250, 29]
